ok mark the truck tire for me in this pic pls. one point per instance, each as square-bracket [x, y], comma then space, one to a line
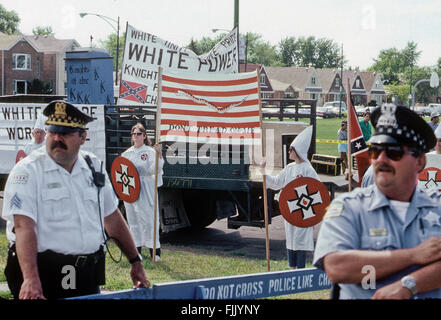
[200, 208]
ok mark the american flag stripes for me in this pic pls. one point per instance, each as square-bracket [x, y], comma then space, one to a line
[210, 108]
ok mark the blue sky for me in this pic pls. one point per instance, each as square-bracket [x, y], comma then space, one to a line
[364, 27]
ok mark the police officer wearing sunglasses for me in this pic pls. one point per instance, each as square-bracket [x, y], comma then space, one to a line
[384, 241]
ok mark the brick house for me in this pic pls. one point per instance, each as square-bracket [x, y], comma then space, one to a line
[25, 58]
[326, 85]
[266, 90]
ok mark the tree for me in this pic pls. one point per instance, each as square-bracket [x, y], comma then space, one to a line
[288, 49]
[205, 44]
[399, 92]
[42, 31]
[392, 63]
[110, 44]
[9, 21]
[258, 51]
[304, 52]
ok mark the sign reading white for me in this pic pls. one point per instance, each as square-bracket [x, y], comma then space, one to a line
[144, 53]
[17, 121]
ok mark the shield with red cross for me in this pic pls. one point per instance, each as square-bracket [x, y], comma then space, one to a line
[430, 178]
[20, 155]
[125, 179]
[303, 202]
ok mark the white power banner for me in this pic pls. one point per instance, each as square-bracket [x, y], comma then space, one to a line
[144, 53]
[17, 121]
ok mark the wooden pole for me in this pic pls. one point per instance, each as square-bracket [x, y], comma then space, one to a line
[349, 105]
[265, 200]
[157, 132]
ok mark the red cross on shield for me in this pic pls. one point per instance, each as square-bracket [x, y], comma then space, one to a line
[125, 179]
[20, 155]
[430, 178]
[303, 202]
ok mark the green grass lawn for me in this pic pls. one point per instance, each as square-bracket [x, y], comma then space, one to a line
[180, 263]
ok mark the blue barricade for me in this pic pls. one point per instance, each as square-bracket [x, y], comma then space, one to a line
[250, 286]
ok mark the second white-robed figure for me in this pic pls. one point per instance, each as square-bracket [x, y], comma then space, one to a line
[298, 240]
[140, 213]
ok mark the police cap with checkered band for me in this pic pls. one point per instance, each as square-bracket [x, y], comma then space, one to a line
[400, 125]
[64, 117]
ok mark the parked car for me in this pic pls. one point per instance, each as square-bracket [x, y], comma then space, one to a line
[434, 107]
[335, 105]
[326, 112]
[422, 110]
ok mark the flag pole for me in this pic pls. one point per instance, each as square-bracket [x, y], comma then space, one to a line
[265, 200]
[157, 132]
[349, 107]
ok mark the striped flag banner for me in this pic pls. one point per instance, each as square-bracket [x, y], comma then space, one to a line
[210, 108]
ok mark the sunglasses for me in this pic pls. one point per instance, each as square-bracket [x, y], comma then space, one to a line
[136, 133]
[395, 153]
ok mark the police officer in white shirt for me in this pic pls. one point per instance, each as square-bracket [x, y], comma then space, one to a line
[384, 241]
[59, 201]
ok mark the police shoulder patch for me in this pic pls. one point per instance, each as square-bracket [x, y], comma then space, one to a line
[20, 178]
[334, 210]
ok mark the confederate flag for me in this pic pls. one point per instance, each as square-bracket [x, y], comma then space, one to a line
[359, 148]
[132, 91]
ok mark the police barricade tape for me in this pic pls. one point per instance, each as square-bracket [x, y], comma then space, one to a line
[249, 286]
[333, 141]
[330, 141]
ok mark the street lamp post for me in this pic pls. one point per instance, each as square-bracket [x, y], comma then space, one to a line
[83, 14]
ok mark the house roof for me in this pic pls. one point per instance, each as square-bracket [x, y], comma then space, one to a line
[250, 67]
[296, 76]
[326, 77]
[6, 40]
[50, 44]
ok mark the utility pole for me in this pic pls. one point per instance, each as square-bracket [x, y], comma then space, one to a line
[236, 24]
[341, 80]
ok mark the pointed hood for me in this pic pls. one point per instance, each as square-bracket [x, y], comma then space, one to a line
[302, 142]
[39, 123]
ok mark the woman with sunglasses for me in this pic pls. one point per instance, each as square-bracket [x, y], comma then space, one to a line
[140, 213]
[384, 241]
[298, 240]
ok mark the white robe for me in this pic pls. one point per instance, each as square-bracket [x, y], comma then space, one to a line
[140, 213]
[296, 238]
[31, 146]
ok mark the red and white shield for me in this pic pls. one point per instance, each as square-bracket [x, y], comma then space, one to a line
[303, 202]
[430, 178]
[125, 179]
[20, 155]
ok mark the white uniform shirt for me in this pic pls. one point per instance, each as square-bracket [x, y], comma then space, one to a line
[140, 213]
[296, 238]
[63, 205]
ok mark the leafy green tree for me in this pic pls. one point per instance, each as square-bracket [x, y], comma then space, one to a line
[42, 31]
[398, 91]
[110, 44]
[392, 63]
[9, 21]
[258, 50]
[303, 52]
